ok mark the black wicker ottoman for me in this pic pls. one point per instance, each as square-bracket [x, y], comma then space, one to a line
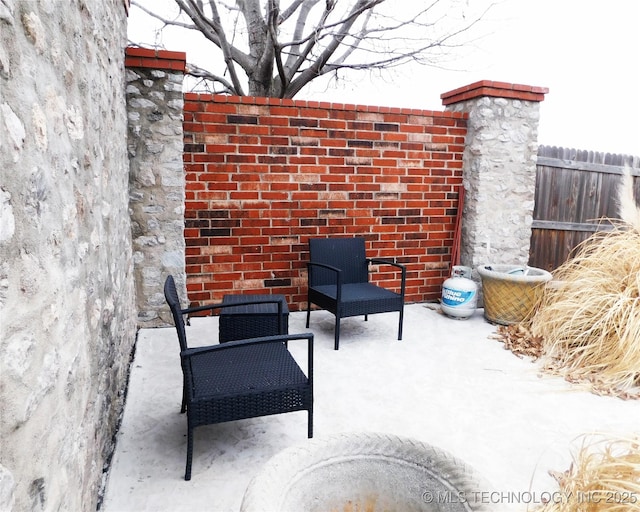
[252, 320]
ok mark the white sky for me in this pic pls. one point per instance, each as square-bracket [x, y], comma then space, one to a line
[587, 52]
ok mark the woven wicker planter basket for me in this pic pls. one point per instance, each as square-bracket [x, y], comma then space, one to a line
[510, 298]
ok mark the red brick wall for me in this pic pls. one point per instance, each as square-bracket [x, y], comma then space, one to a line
[264, 175]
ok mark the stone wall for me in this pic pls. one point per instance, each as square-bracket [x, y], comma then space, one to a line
[499, 169]
[157, 185]
[67, 312]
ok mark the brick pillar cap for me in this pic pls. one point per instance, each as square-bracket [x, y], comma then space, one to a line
[136, 57]
[494, 89]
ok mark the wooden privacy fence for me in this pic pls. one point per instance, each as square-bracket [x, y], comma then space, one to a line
[576, 195]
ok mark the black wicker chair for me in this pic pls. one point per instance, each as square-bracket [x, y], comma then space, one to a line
[239, 379]
[338, 279]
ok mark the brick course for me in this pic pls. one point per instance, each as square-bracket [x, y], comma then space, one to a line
[264, 175]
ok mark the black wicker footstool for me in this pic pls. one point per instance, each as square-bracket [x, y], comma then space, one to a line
[252, 320]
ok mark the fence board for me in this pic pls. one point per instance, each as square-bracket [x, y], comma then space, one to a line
[576, 195]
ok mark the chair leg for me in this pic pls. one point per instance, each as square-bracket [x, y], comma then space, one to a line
[310, 424]
[308, 312]
[336, 342]
[187, 473]
[184, 398]
[400, 324]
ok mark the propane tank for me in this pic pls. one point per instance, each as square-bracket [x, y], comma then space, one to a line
[459, 294]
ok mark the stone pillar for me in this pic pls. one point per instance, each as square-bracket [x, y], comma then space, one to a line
[499, 171]
[157, 186]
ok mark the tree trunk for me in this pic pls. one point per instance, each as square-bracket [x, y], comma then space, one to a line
[261, 51]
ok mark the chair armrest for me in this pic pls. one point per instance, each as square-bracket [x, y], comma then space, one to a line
[335, 270]
[402, 268]
[230, 345]
[380, 261]
[248, 302]
[257, 300]
[323, 265]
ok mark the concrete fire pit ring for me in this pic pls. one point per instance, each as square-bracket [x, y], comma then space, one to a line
[365, 472]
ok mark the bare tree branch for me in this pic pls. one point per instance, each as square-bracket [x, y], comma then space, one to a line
[290, 11]
[358, 37]
[194, 10]
[195, 71]
[301, 23]
[273, 17]
[399, 56]
[277, 51]
[313, 38]
[316, 68]
[164, 20]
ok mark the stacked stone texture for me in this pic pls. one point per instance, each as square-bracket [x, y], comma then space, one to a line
[155, 103]
[67, 317]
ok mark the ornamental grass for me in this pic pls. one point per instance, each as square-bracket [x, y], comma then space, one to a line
[604, 476]
[586, 326]
[589, 325]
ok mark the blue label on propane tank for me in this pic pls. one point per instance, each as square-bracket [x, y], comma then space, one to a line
[452, 297]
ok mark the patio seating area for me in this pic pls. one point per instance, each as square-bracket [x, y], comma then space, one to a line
[447, 383]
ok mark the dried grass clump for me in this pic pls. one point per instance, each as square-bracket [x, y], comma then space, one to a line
[590, 324]
[587, 327]
[604, 476]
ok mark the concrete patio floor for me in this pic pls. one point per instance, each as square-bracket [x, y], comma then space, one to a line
[447, 383]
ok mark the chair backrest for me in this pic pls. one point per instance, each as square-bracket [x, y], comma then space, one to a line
[171, 294]
[347, 254]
